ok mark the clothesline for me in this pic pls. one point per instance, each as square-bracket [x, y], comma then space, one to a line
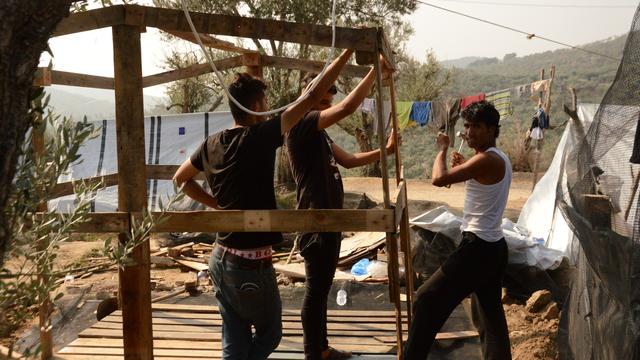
[444, 114]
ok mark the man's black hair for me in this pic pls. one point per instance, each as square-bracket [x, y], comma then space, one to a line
[308, 77]
[483, 111]
[247, 90]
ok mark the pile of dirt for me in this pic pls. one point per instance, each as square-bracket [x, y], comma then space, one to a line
[533, 327]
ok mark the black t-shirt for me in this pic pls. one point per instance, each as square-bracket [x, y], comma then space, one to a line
[314, 166]
[239, 166]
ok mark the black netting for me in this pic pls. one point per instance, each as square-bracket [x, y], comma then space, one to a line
[598, 196]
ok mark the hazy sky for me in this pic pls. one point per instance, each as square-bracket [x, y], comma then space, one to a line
[450, 36]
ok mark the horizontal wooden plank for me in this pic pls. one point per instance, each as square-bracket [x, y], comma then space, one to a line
[190, 71]
[378, 319]
[288, 343]
[67, 188]
[183, 334]
[311, 66]
[81, 80]
[211, 324]
[210, 41]
[295, 344]
[251, 220]
[174, 20]
[214, 309]
[90, 20]
[192, 353]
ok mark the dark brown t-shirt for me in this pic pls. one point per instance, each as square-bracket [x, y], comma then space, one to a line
[239, 166]
[314, 166]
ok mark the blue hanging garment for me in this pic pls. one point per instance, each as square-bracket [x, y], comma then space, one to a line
[420, 112]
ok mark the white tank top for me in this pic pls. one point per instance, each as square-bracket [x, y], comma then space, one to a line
[484, 204]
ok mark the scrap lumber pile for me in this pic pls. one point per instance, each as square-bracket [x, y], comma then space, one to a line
[195, 256]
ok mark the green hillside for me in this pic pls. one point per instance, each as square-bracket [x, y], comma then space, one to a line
[590, 74]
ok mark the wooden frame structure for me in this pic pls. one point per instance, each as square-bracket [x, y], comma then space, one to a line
[127, 22]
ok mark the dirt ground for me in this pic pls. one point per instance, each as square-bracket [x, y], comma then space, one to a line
[422, 190]
[531, 336]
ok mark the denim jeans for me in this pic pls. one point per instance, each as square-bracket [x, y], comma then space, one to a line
[476, 267]
[247, 297]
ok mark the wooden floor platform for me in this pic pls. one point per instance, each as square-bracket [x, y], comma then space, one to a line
[194, 332]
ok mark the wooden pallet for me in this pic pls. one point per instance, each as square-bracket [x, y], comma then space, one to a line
[193, 332]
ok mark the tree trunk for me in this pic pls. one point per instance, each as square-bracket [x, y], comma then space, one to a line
[24, 31]
[363, 138]
[284, 179]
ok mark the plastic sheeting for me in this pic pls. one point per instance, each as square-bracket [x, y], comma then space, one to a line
[523, 249]
[601, 318]
[534, 216]
[169, 140]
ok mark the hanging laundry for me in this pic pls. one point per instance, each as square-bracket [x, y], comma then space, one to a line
[540, 86]
[420, 112]
[521, 91]
[369, 106]
[403, 110]
[543, 119]
[501, 99]
[445, 115]
[466, 101]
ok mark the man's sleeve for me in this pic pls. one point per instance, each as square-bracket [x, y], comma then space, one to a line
[306, 126]
[198, 156]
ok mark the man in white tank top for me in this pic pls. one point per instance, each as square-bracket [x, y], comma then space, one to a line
[477, 266]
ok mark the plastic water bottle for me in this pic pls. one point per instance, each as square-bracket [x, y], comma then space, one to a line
[341, 299]
[343, 296]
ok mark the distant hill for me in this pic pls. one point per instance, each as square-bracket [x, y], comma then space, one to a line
[96, 104]
[460, 63]
[590, 74]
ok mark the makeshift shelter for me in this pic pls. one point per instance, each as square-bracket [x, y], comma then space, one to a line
[597, 194]
[133, 171]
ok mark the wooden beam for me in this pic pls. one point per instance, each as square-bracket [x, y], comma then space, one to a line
[68, 188]
[210, 41]
[174, 20]
[48, 77]
[191, 71]
[134, 280]
[385, 49]
[311, 66]
[251, 221]
[90, 20]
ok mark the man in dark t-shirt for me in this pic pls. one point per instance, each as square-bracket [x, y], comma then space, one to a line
[314, 162]
[239, 166]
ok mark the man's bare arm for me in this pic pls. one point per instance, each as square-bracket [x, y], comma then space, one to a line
[293, 114]
[184, 178]
[349, 160]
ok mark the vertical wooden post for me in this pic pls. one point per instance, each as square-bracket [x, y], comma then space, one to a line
[394, 117]
[134, 280]
[405, 240]
[392, 245]
[253, 64]
[44, 310]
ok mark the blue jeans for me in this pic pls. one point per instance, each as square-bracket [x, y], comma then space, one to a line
[247, 296]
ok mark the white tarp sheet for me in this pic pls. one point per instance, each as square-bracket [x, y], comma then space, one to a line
[523, 249]
[169, 140]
